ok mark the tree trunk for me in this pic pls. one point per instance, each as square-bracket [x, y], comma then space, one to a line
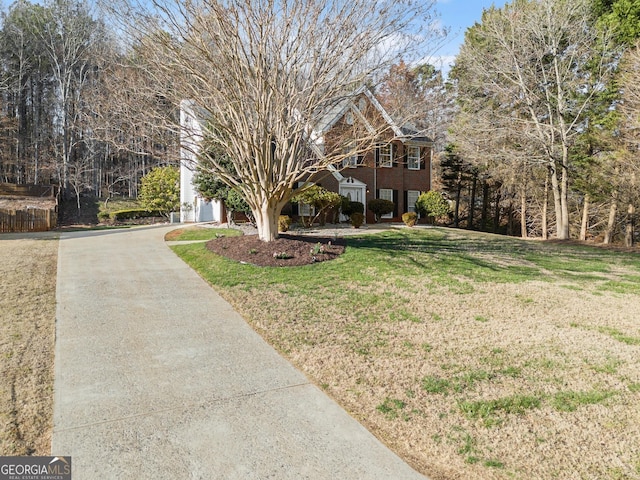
[485, 206]
[563, 227]
[628, 234]
[472, 202]
[558, 188]
[496, 216]
[523, 212]
[267, 220]
[456, 211]
[545, 209]
[613, 211]
[584, 225]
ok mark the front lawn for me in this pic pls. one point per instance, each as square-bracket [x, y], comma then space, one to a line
[27, 337]
[471, 355]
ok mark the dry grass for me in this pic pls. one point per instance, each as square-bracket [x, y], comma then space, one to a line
[529, 374]
[27, 323]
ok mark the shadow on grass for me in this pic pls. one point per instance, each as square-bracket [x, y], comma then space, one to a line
[482, 257]
[453, 259]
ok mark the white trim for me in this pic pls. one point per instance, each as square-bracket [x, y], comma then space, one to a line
[388, 163]
[351, 160]
[364, 120]
[359, 190]
[306, 210]
[412, 158]
[411, 206]
[388, 192]
[396, 130]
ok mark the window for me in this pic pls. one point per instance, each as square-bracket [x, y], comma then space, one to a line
[352, 160]
[412, 198]
[413, 158]
[386, 194]
[305, 210]
[385, 155]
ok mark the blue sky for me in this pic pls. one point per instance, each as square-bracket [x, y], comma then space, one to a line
[459, 15]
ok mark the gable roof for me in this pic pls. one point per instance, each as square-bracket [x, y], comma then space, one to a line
[192, 119]
[330, 118]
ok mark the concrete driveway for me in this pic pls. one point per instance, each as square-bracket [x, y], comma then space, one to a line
[157, 377]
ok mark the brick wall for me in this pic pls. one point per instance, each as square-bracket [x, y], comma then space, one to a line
[398, 178]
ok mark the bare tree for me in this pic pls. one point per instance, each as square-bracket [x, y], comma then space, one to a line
[129, 121]
[629, 161]
[71, 37]
[266, 73]
[419, 95]
[26, 91]
[530, 71]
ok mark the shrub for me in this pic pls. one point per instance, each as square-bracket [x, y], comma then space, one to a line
[235, 202]
[160, 190]
[410, 218]
[348, 207]
[380, 206]
[357, 219]
[132, 213]
[321, 199]
[284, 222]
[432, 204]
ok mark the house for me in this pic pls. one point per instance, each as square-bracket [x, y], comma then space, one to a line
[193, 208]
[396, 167]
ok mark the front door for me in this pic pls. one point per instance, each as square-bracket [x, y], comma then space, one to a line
[355, 193]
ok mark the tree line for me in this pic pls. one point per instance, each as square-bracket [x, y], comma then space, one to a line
[535, 130]
[92, 102]
[73, 106]
[545, 138]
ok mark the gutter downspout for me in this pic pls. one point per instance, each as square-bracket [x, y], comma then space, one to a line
[375, 183]
[430, 166]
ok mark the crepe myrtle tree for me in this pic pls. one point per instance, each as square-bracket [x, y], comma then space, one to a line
[265, 73]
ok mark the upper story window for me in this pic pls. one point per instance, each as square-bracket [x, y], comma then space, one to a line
[413, 157]
[385, 155]
[351, 160]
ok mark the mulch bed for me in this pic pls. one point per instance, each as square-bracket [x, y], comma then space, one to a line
[298, 249]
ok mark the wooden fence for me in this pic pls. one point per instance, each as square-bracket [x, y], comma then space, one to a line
[29, 220]
[28, 208]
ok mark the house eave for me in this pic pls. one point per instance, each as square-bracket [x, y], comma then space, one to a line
[411, 140]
